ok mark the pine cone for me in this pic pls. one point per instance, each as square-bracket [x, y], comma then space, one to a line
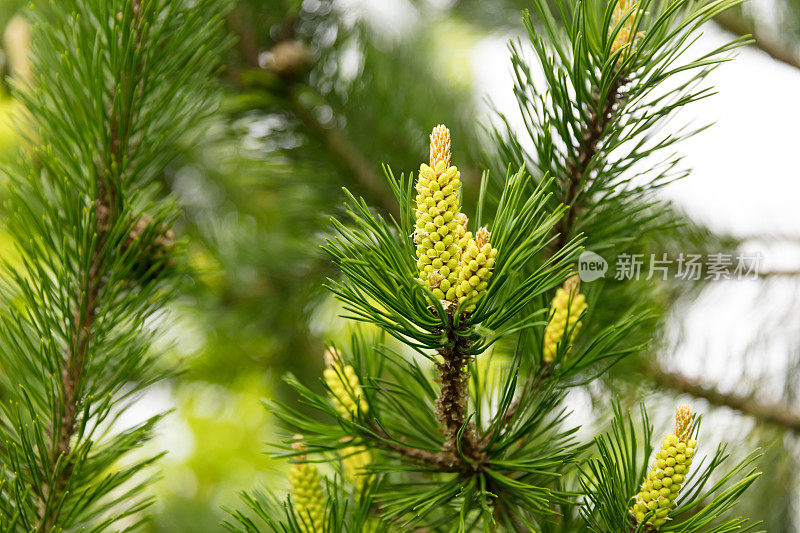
[660, 489]
[306, 488]
[438, 190]
[345, 387]
[477, 262]
[565, 311]
[625, 36]
[355, 459]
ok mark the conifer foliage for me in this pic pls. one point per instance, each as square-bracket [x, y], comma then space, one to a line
[117, 86]
[445, 411]
[452, 393]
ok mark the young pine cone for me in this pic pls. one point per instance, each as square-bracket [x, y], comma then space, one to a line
[565, 310]
[355, 459]
[660, 489]
[305, 484]
[477, 263]
[438, 190]
[345, 388]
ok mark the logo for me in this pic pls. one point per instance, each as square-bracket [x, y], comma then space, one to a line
[591, 266]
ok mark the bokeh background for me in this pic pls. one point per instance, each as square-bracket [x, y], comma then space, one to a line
[317, 95]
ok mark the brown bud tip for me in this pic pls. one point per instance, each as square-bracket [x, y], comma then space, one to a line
[482, 236]
[572, 285]
[332, 356]
[140, 226]
[298, 443]
[288, 58]
[683, 422]
[440, 145]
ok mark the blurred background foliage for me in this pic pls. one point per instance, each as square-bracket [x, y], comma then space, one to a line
[317, 95]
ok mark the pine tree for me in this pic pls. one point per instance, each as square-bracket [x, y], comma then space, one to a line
[459, 396]
[116, 88]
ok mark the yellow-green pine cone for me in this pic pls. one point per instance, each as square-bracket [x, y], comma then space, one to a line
[308, 496]
[355, 459]
[626, 35]
[345, 387]
[665, 478]
[477, 262]
[437, 206]
[565, 311]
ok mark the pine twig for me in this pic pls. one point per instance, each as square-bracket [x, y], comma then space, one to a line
[451, 405]
[462, 451]
[502, 509]
[435, 460]
[531, 387]
[577, 167]
[87, 300]
[576, 170]
[731, 23]
[779, 415]
[344, 152]
[780, 273]
[74, 363]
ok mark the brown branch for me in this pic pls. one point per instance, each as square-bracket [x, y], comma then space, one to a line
[432, 459]
[778, 273]
[738, 26]
[502, 509]
[290, 58]
[451, 405]
[530, 387]
[779, 415]
[345, 153]
[71, 374]
[91, 285]
[464, 454]
[777, 237]
[592, 133]
[247, 42]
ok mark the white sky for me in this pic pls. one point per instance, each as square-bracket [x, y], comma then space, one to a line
[746, 175]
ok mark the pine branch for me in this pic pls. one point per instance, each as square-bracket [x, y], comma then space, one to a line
[532, 385]
[85, 316]
[503, 510]
[291, 58]
[344, 151]
[732, 23]
[435, 460]
[600, 115]
[461, 448]
[779, 415]
[247, 42]
[420, 278]
[85, 312]
[780, 273]
[117, 85]
[462, 452]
